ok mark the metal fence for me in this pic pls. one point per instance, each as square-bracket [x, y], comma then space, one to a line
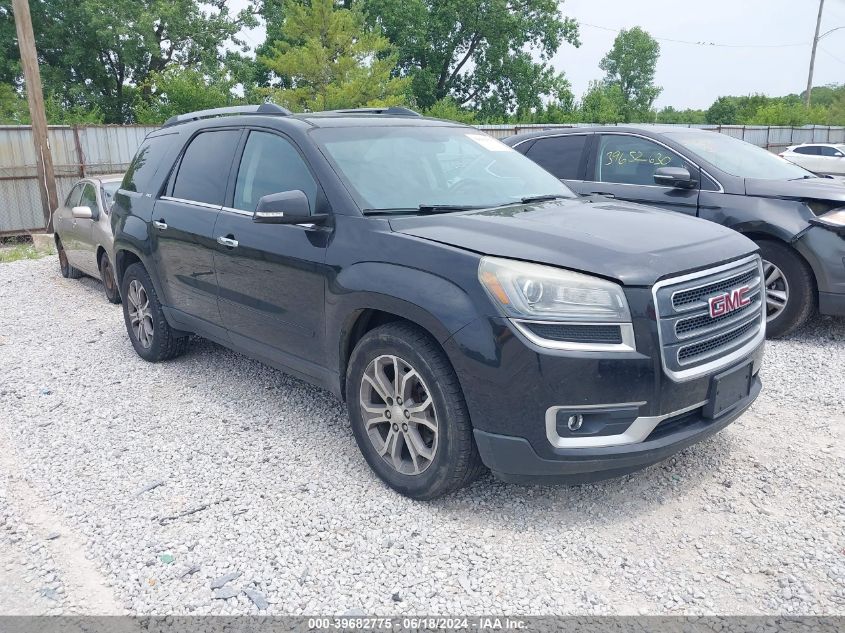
[76, 151]
[80, 151]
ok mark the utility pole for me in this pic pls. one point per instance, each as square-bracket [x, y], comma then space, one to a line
[35, 98]
[813, 54]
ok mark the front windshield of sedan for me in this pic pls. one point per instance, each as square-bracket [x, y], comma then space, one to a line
[403, 167]
[739, 158]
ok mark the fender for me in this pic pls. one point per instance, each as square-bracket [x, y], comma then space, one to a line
[438, 305]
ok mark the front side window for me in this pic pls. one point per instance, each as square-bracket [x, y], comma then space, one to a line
[89, 198]
[560, 155]
[270, 164]
[204, 170]
[73, 196]
[404, 167]
[633, 160]
[830, 151]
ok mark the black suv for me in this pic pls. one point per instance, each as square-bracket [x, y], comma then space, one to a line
[796, 217]
[469, 308]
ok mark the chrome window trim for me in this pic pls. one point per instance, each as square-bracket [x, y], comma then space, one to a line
[194, 203]
[639, 430]
[537, 138]
[628, 343]
[237, 211]
[719, 363]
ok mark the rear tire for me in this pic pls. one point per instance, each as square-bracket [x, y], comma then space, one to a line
[109, 283]
[429, 452]
[150, 333]
[68, 271]
[790, 289]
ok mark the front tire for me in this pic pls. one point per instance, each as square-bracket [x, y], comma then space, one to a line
[151, 335]
[109, 283]
[790, 289]
[408, 413]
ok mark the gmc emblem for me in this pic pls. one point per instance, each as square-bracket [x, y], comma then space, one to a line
[723, 304]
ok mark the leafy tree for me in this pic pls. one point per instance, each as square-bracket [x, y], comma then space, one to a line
[332, 61]
[177, 90]
[96, 53]
[724, 111]
[630, 65]
[479, 53]
[602, 103]
[447, 108]
[13, 106]
[671, 115]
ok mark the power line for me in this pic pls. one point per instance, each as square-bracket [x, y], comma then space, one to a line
[840, 60]
[708, 44]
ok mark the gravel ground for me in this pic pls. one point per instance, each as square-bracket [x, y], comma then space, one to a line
[130, 487]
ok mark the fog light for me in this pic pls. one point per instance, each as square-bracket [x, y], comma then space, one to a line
[574, 422]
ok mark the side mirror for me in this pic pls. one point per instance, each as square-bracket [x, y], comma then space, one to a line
[678, 177]
[82, 213]
[286, 207]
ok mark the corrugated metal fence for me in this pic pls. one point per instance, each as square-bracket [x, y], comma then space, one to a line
[103, 149]
[77, 152]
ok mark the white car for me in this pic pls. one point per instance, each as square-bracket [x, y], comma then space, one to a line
[820, 158]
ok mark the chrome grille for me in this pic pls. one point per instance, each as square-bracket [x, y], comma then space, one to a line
[693, 342]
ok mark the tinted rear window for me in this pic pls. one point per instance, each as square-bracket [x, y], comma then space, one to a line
[811, 150]
[152, 153]
[204, 170]
[560, 155]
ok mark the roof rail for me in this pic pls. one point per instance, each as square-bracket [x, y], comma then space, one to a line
[390, 111]
[264, 108]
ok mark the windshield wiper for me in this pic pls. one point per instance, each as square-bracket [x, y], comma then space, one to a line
[447, 208]
[542, 198]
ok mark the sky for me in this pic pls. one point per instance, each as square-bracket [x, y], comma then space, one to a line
[761, 46]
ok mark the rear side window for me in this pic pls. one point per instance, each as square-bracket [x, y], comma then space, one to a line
[560, 155]
[152, 153]
[270, 164]
[204, 169]
[812, 150]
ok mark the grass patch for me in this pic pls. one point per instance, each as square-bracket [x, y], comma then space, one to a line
[13, 250]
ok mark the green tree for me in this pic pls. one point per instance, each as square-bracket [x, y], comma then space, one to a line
[448, 109]
[602, 103]
[100, 53]
[13, 106]
[490, 55]
[671, 115]
[631, 65]
[176, 90]
[332, 61]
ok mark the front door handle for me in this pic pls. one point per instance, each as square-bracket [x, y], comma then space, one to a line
[161, 225]
[227, 241]
[602, 193]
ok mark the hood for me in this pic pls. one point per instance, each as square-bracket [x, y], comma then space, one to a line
[831, 189]
[633, 244]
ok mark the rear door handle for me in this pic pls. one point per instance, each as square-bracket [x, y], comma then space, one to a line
[227, 241]
[160, 224]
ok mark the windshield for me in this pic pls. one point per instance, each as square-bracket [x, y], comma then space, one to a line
[403, 168]
[739, 158]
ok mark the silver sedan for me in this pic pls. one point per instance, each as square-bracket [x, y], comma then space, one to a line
[83, 232]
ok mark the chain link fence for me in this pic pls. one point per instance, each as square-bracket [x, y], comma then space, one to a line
[80, 151]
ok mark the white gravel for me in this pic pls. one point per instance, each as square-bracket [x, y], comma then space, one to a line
[162, 479]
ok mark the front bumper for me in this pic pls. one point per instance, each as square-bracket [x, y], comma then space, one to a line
[512, 459]
[511, 386]
[825, 251]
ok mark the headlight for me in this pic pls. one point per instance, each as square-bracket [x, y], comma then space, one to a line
[532, 291]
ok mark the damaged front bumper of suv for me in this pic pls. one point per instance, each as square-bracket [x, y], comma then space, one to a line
[547, 410]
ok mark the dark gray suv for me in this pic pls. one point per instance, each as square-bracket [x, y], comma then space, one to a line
[795, 217]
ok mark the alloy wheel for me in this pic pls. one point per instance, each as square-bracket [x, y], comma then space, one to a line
[140, 315]
[777, 290]
[398, 413]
